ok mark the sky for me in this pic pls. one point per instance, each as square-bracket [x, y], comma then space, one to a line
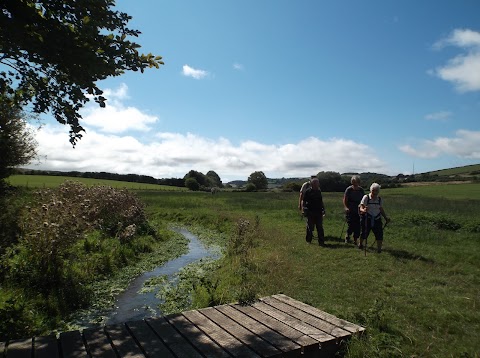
[286, 87]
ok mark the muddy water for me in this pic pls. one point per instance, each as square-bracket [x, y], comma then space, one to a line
[133, 305]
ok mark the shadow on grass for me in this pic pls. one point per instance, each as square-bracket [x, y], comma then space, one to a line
[338, 243]
[332, 242]
[405, 255]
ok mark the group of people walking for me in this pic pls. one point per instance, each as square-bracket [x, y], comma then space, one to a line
[363, 212]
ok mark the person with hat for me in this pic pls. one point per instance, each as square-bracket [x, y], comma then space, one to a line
[314, 210]
[371, 211]
[351, 200]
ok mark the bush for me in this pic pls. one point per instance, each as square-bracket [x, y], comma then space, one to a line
[11, 206]
[49, 257]
[250, 187]
[16, 319]
[192, 184]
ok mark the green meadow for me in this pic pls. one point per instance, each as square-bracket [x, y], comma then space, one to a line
[418, 298]
[49, 181]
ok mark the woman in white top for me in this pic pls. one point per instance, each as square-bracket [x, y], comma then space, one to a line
[371, 211]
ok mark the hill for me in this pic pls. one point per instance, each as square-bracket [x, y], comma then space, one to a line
[467, 170]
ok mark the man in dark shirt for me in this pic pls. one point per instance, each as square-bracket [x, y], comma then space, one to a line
[351, 200]
[314, 210]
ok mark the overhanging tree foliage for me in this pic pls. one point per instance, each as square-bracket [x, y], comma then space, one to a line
[52, 53]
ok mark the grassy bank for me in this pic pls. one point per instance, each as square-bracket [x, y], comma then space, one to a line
[417, 298]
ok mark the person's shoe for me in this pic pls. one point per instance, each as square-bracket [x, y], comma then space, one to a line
[321, 242]
[379, 251]
[347, 239]
[360, 247]
[355, 242]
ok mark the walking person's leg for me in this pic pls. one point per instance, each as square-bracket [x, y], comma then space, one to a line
[365, 227]
[320, 232]
[356, 228]
[378, 232]
[348, 219]
[309, 233]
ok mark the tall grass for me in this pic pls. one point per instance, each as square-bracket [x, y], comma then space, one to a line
[419, 297]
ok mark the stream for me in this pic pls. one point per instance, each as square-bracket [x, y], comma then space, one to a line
[133, 305]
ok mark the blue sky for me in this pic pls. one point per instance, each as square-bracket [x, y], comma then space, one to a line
[289, 88]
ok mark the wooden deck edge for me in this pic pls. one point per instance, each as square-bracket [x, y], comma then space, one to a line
[272, 326]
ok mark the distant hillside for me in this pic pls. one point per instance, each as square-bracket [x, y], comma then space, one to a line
[468, 170]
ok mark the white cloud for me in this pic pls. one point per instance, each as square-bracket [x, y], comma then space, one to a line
[116, 94]
[174, 154]
[115, 117]
[438, 116]
[460, 38]
[118, 119]
[238, 66]
[465, 144]
[106, 147]
[463, 70]
[192, 72]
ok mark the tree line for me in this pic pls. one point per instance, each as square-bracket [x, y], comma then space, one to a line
[330, 181]
[131, 178]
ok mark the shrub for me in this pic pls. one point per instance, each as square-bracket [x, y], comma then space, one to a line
[192, 184]
[44, 260]
[250, 187]
[11, 206]
[16, 318]
[239, 248]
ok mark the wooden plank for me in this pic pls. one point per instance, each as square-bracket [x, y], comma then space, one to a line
[306, 342]
[198, 338]
[269, 334]
[348, 326]
[72, 345]
[174, 341]
[46, 347]
[123, 342]
[257, 344]
[223, 338]
[308, 318]
[320, 336]
[20, 348]
[150, 343]
[275, 326]
[98, 343]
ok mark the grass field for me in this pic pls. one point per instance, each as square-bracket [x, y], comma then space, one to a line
[49, 181]
[418, 298]
[439, 191]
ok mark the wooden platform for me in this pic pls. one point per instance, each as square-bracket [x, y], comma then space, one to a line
[275, 326]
